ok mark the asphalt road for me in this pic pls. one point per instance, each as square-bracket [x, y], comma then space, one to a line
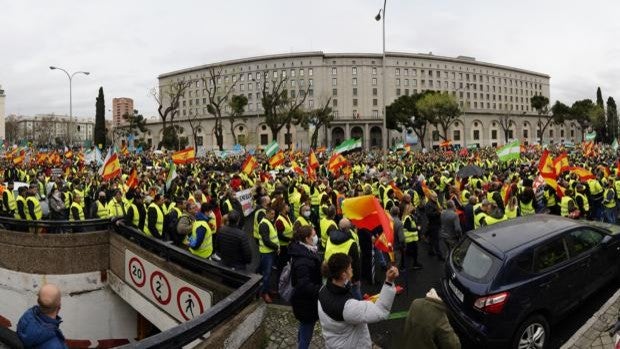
[387, 334]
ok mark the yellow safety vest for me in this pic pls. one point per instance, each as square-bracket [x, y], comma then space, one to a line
[68, 199]
[595, 187]
[302, 221]
[23, 201]
[288, 230]
[159, 224]
[610, 204]
[490, 220]
[511, 213]
[527, 209]
[564, 205]
[102, 210]
[273, 237]
[465, 196]
[136, 215]
[586, 204]
[81, 193]
[256, 222]
[550, 198]
[331, 248]
[410, 235]
[324, 224]
[617, 187]
[315, 198]
[206, 248]
[38, 214]
[80, 211]
[116, 209]
[478, 218]
[11, 200]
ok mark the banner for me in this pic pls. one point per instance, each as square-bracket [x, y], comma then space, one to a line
[245, 198]
[591, 136]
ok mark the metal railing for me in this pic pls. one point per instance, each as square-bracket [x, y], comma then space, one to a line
[245, 285]
[54, 226]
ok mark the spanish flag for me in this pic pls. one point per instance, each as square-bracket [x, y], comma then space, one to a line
[445, 144]
[132, 181]
[545, 165]
[295, 166]
[277, 159]
[249, 164]
[68, 154]
[366, 212]
[19, 158]
[125, 151]
[312, 160]
[111, 167]
[336, 162]
[398, 194]
[184, 156]
[582, 173]
[311, 173]
[561, 164]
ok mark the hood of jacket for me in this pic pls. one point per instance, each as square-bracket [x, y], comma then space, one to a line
[339, 237]
[296, 249]
[35, 328]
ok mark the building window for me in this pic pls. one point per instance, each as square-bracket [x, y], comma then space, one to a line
[354, 81]
[398, 92]
[335, 112]
[333, 71]
[292, 73]
[375, 114]
[397, 82]
[374, 81]
[355, 91]
[310, 82]
[550, 133]
[374, 102]
[493, 134]
[562, 133]
[456, 135]
[264, 139]
[354, 70]
[355, 102]
[334, 102]
[476, 135]
[435, 136]
[397, 71]
[406, 72]
[334, 82]
[374, 71]
[334, 92]
[310, 72]
[374, 91]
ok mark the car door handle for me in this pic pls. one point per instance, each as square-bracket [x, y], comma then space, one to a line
[547, 283]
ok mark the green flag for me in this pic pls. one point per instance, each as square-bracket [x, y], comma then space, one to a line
[348, 145]
[272, 148]
[172, 174]
[614, 145]
[591, 136]
[510, 151]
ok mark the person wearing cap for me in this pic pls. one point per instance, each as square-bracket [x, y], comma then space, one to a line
[34, 212]
[99, 210]
[427, 324]
[9, 205]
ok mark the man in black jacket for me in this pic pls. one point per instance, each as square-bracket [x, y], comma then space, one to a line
[235, 247]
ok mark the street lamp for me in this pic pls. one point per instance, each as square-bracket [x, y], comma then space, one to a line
[70, 76]
[378, 18]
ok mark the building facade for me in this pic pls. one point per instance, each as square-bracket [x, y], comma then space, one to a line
[357, 87]
[51, 129]
[120, 107]
[2, 114]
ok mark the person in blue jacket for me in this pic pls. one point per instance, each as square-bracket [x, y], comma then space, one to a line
[39, 326]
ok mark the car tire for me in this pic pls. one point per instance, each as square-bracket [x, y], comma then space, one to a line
[533, 332]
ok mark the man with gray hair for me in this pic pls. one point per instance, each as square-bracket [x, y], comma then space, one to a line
[450, 230]
[39, 327]
[344, 240]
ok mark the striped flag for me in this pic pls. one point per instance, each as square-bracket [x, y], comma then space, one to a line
[510, 151]
[132, 181]
[172, 174]
[249, 164]
[272, 149]
[312, 160]
[184, 156]
[277, 159]
[111, 167]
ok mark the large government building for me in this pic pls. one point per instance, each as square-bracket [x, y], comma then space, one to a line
[359, 85]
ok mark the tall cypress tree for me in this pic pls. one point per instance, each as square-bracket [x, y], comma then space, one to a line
[612, 119]
[601, 128]
[100, 120]
[599, 98]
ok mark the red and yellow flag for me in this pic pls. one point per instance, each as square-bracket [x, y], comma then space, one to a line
[297, 168]
[312, 160]
[366, 212]
[68, 154]
[545, 165]
[132, 181]
[398, 194]
[184, 156]
[111, 168]
[582, 173]
[336, 162]
[277, 159]
[249, 164]
[125, 151]
[19, 158]
[561, 164]
[445, 144]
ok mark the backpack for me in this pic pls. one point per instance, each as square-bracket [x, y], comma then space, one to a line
[285, 286]
[184, 225]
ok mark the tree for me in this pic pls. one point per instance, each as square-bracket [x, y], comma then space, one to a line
[281, 107]
[11, 129]
[194, 124]
[43, 134]
[167, 98]
[237, 106]
[505, 123]
[135, 122]
[612, 119]
[439, 109]
[216, 98]
[581, 112]
[319, 117]
[100, 131]
[541, 104]
[598, 121]
[399, 114]
[599, 97]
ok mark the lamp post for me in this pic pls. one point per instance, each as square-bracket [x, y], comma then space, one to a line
[70, 76]
[378, 17]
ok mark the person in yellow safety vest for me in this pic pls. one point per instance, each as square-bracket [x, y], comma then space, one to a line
[22, 208]
[259, 214]
[595, 190]
[617, 188]
[512, 208]
[154, 226]
[76, 212]
[9, 205]
[116, 206]
[582, 201]
[567, 203]
[304, 217]
[326, 225]
[551, 201]
[609, 203]
[342, 240]
[201, 239]
[136, 213]
[487, 214]
[316, 191]
[99, 209]
[411, 232]
[34, 212]
[269, 249]
[465, 194]
[526, 198]
[285, 231]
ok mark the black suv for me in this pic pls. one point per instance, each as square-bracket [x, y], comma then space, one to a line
[505, 283]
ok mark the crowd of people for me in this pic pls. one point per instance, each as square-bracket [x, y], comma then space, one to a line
[298, 218]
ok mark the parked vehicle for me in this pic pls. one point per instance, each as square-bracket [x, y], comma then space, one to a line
[506, 283]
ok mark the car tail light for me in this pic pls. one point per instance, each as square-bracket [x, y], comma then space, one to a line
[492, 304]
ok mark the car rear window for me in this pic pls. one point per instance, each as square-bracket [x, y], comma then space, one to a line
[473, 262]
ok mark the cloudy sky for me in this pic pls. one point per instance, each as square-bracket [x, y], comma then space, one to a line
[126, 44]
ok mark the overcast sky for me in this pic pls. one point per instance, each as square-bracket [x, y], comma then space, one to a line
[125, 45]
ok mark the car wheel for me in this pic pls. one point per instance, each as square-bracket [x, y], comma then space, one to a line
[533, 333]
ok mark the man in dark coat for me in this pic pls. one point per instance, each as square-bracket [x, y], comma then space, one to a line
[235, 249]
[427, 325]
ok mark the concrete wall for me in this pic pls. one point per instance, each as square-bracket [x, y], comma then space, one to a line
[54, 253]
